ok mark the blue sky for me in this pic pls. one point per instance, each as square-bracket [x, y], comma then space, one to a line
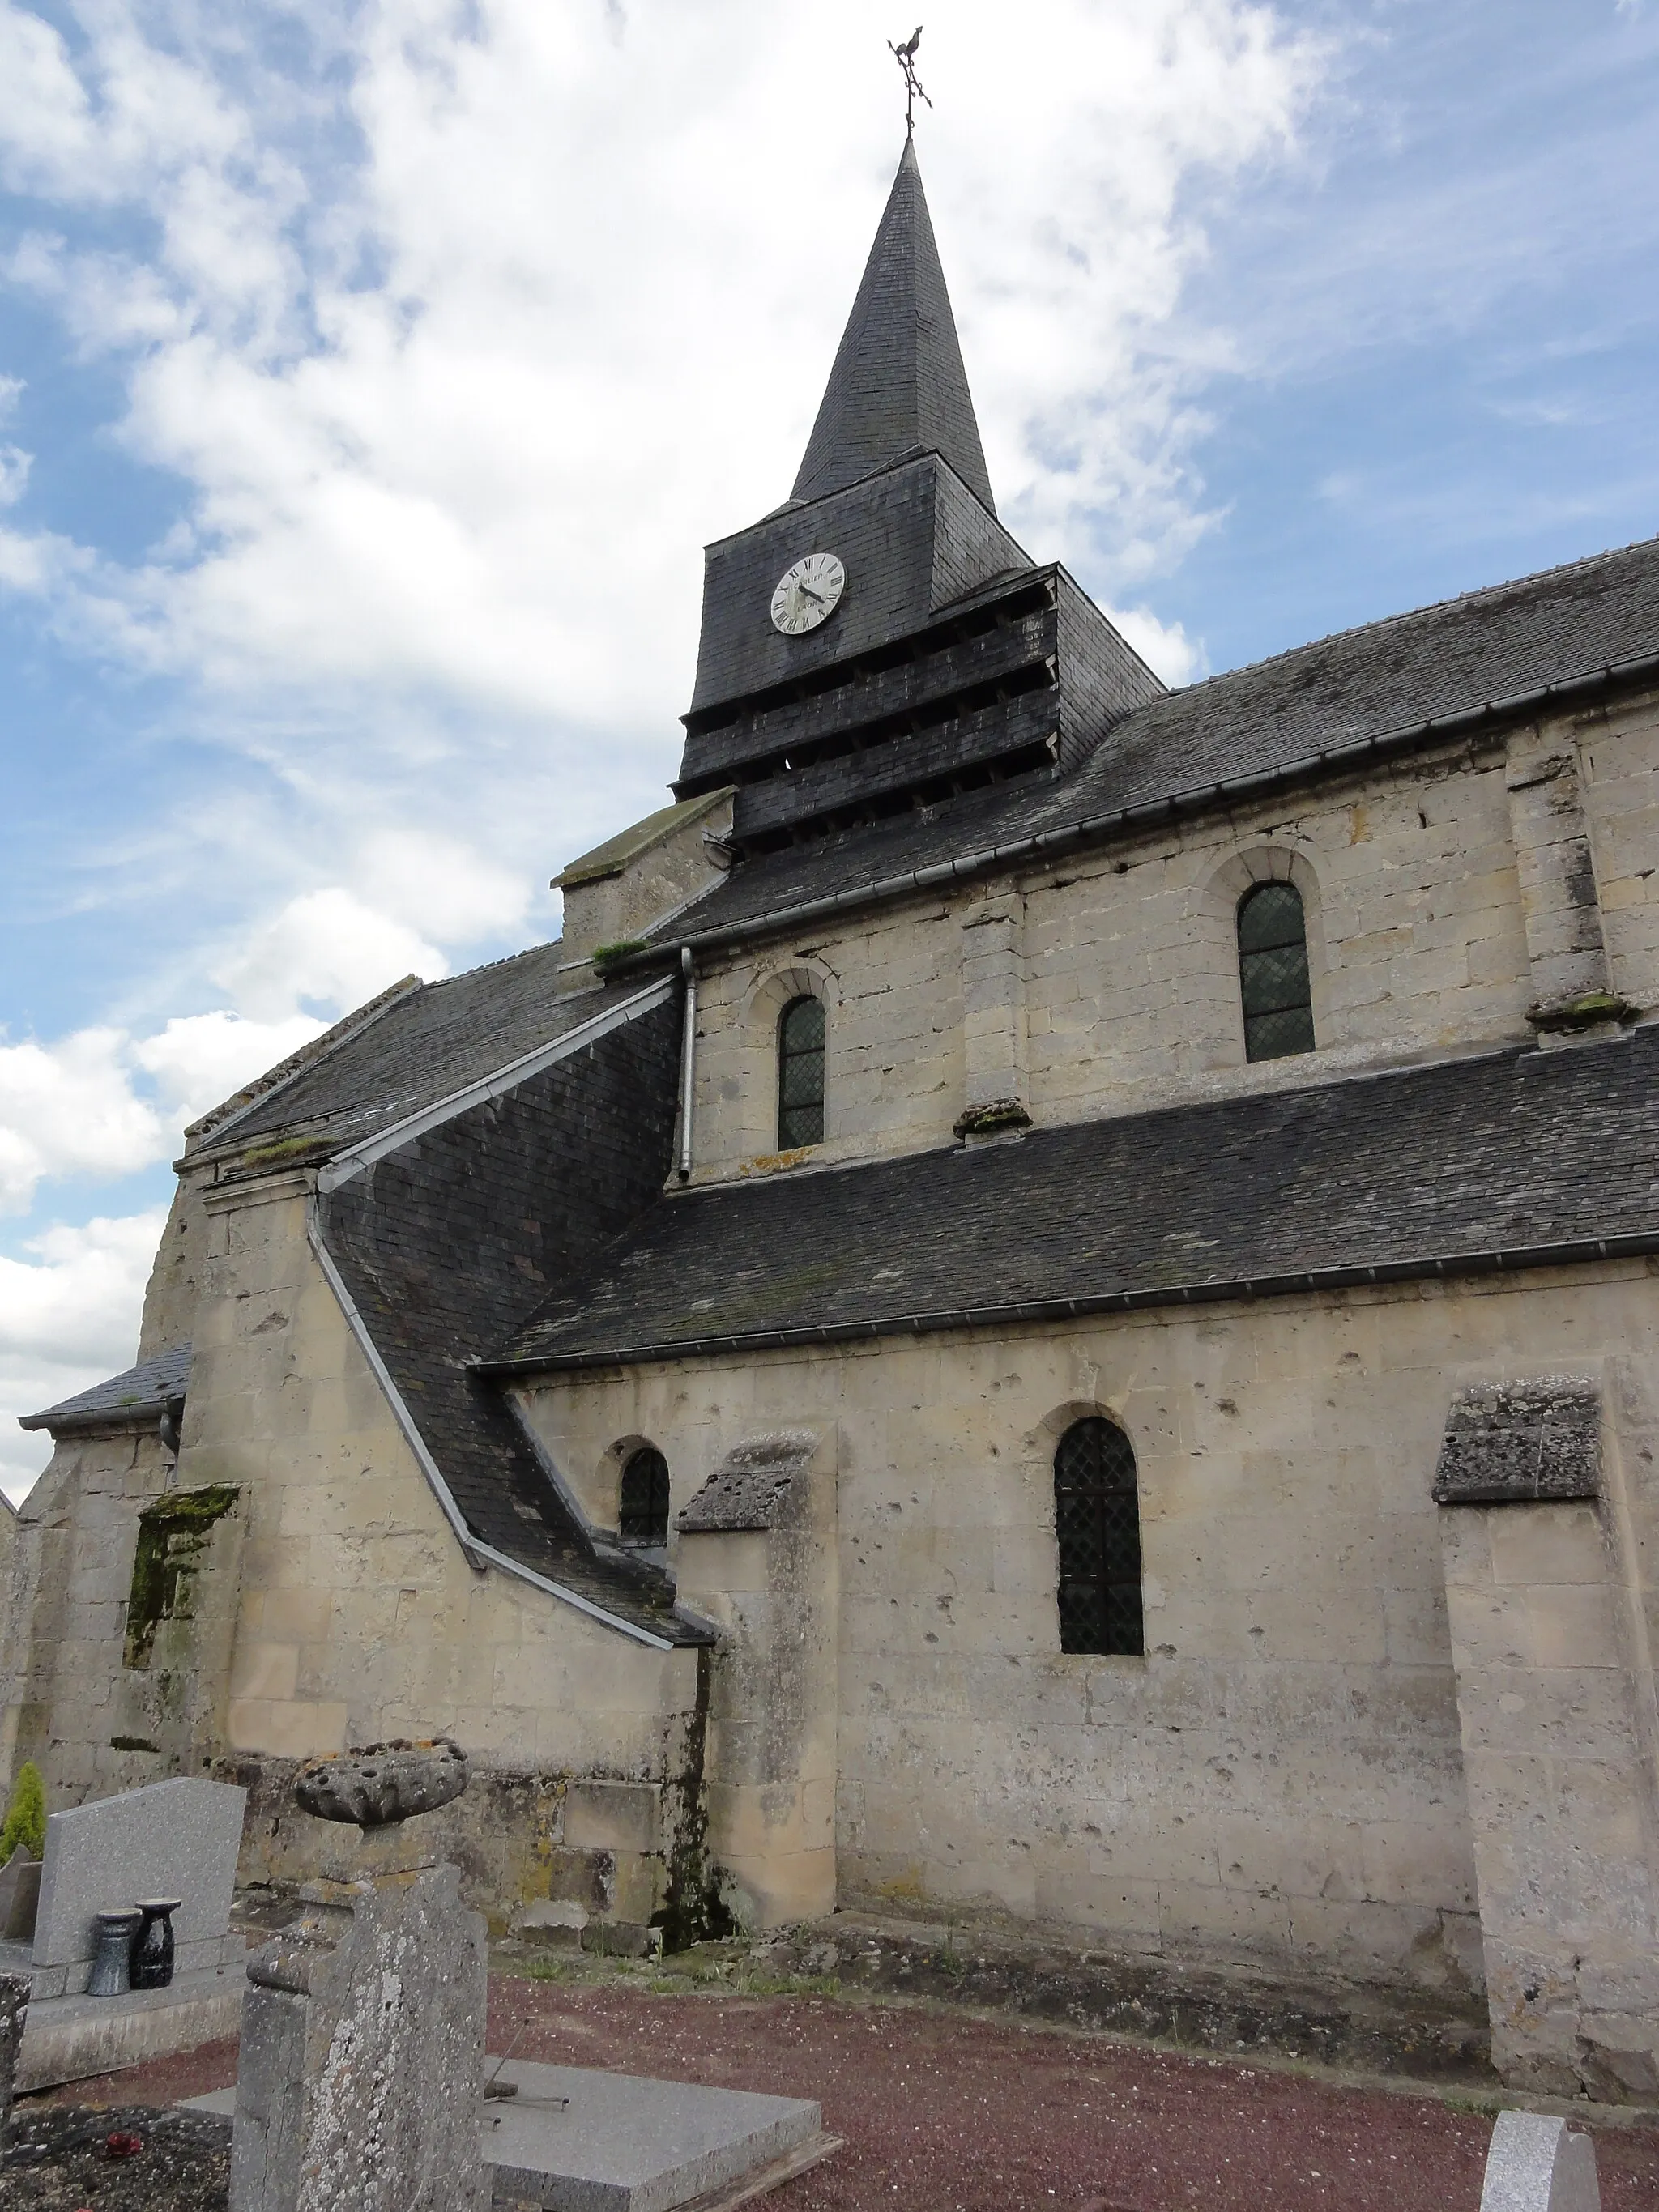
[370, 377]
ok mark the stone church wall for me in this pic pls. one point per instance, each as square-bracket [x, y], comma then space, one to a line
[348, 1611]
[1117, 986]
[1280, 1781]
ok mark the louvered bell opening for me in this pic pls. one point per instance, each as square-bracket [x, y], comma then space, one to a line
[1272, 973]
[1097, 1528]
[800, 1074]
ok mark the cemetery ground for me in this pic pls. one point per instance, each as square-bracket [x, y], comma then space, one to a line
[942, 2108]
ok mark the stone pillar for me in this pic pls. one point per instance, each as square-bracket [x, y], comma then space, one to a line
[757, 1557]
[1571, 986]
[360, 2084]
[1555, 1760]
[361, 2064]
[994, 1015]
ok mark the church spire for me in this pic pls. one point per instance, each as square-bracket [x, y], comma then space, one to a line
[898, 385]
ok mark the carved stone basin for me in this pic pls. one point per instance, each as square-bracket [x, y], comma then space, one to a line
[382, 1782]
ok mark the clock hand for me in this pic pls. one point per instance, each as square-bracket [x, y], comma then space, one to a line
[807, 592]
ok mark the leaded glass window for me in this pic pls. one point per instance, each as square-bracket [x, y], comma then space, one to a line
[643, 1514]
[1097, 1523]
[1272, 973]
[800, 1074]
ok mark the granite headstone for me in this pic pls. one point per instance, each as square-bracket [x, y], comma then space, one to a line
[178, 1838]
[1536, 2164]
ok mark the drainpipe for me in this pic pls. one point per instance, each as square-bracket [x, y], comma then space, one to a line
[688, 1061]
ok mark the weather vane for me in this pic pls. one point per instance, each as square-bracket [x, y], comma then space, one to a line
[905, 56]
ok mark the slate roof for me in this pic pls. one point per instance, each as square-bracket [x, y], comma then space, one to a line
[1526, 1154]
[1455, 659]
[897, 385]
[434, 1041]
[137, 1393]
[446, 1241]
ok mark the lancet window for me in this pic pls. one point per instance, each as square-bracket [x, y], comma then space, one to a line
[643, 1512]
[1272, 972]
[800, 1073]
[1097, 1525]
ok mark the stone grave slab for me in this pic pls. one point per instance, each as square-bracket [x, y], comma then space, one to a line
[575, 2139]
[178, 1838]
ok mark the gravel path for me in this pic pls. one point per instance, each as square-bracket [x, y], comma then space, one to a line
[945, 2113]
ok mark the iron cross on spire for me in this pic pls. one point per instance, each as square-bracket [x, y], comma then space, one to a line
[905, 56]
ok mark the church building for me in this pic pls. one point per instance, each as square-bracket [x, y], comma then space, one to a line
[1043, 1319]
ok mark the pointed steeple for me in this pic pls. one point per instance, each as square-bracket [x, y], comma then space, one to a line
[898, 385]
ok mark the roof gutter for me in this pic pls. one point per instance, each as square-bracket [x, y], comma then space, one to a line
[1573, 1252]
[1093, 828]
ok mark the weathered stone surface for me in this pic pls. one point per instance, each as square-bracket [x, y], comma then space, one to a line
[177, 1838]
[14, 2007]
[1537, 2165]
[363, 2054]
[382, 1783]
[750, 1488]
[1518, 1442]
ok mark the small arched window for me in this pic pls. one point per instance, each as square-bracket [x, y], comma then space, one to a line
[1098, 1524]
[1272, 972]
[643, 1512]
[800, 1074]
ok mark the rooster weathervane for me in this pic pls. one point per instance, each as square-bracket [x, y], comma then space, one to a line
[905, 56]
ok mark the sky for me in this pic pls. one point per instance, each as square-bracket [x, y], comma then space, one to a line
[371, 376]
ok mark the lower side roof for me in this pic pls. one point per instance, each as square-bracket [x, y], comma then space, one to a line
[1514, 1158]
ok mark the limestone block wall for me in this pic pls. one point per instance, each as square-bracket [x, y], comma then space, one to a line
[1618, 750]
[1110, 982]
[360, 1616]
[346, 1611]
[92, 1726]
[1279, 1779]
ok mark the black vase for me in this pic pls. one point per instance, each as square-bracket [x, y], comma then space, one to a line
[152, 1947]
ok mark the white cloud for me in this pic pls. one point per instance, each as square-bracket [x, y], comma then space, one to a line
[198, 1061]
[325, 948]
[69, 1317]
[456, 415]
[69, 1109]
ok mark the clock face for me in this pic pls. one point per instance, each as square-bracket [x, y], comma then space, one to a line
[808, 593]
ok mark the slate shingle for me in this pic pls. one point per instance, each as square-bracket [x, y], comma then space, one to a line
[137, 1393]
[1456, 657]
[1403, 1173]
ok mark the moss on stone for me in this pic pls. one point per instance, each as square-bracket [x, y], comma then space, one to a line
[173, 1534]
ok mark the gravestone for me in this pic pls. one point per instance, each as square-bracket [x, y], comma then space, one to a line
[362, 2064]
[178, 1838]
[1535, 2164]
[20, 1896]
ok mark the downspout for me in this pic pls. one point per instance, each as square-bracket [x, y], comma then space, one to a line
[688, 1061]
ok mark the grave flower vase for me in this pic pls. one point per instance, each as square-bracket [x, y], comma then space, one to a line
[152, 1947]
[112, 1956]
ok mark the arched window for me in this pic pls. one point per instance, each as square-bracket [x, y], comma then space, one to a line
[642, 1514]
[1272, 972]
[800, 1074]
[1098, 1522]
